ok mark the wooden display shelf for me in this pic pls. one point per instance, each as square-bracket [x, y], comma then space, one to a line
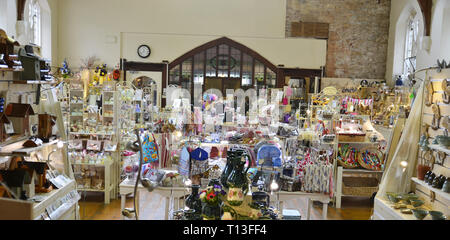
[358, 170]
[11, 69]
[17, 149]
[80, 133]
[438, 192]
[51, 197]
[90, 164]
[90, 190]
[439, 148]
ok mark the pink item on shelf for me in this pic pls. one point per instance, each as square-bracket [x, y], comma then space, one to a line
[288, 91]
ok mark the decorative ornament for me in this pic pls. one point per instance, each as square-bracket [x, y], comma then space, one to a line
[446, 93]
[436, 116]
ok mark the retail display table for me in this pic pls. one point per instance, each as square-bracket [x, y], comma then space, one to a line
[323, 198]
[172, 195]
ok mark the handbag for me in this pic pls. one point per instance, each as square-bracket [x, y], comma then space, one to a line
[150, 150]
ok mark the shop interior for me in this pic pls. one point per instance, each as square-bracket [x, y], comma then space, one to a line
[289, 110]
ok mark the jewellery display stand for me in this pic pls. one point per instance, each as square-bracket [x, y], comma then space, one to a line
[126, 121]
[94, 154]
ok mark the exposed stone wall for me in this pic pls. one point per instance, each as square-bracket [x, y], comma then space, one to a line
[358, 37]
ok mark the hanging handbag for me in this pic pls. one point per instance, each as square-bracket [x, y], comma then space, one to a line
[150, 150]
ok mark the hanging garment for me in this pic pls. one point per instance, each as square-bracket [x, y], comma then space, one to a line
[317, 177]
[164, 149]
[183, 166]
[199, 163]
[150, 150]
[199, 154]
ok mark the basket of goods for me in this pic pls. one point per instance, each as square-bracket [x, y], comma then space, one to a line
[347, 156]
[359, 186]
[371, 159]
[350, 131]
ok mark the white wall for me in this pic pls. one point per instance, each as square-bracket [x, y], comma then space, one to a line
[8, 22]
[440, 36]
[305, 53]
[8, 16]
[111, 29]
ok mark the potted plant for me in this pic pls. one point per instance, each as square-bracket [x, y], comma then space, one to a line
[212, 198]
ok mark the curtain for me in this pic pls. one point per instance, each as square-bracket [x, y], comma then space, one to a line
[398, 178]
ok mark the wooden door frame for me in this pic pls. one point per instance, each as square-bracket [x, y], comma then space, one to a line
[147, 67]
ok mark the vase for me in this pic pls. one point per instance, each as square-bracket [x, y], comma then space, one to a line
[232, 158]
[421, 171]
[211, 211]
[446, 186]
[237, 184]
[431, 178]
[425, 179]
[193, 201]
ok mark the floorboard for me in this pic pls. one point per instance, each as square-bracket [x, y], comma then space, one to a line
[152, 207]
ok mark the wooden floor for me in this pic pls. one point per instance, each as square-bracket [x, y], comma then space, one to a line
[152, 206]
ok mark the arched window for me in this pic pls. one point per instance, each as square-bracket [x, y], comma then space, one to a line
[35, 23]
[411, 44]
[222, 64]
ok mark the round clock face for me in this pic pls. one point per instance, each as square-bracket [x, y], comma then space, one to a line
[144, 51]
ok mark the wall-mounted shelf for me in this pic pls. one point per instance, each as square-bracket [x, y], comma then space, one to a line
[439, 148]
[438, 192]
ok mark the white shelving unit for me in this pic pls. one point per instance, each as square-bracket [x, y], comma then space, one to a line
[107, 118]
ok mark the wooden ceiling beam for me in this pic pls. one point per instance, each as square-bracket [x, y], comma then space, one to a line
[426, 8]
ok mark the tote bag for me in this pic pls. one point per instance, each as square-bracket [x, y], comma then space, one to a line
[150, 150]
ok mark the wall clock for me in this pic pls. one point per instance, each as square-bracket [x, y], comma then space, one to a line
[144, 51]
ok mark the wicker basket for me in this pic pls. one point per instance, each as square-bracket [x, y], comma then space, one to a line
[366, 166]
[359, 186]
[347, 166]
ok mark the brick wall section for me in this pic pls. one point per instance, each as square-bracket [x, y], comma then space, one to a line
[358, 37]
